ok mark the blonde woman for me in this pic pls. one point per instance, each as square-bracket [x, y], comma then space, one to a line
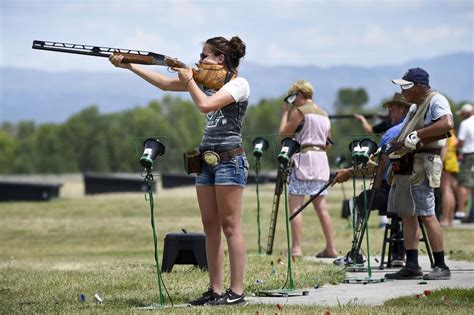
[310, 126]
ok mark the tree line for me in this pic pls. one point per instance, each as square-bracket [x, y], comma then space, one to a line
[90, 141]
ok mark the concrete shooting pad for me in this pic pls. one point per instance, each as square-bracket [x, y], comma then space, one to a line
[462, 276]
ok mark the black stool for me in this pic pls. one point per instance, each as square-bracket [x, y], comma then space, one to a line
[184, 249]
[391, 239]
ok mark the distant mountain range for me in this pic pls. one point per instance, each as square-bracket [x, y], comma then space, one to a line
[44, 96]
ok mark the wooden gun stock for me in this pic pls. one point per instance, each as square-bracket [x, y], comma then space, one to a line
[149, 60]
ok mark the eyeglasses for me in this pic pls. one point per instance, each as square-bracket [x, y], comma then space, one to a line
[407, 86]
[393, 107]
[216, 53]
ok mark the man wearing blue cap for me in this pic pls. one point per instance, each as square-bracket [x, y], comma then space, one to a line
[397, 109]
[412, 192]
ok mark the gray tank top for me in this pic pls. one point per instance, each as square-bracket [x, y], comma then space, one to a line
[224, 126]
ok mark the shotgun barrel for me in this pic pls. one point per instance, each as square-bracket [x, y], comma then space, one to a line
[350, 116]
[130, 55]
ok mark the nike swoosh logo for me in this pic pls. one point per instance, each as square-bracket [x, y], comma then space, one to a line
[232, 300]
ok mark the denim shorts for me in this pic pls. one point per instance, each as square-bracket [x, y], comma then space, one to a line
[423, 196]
[227, 173]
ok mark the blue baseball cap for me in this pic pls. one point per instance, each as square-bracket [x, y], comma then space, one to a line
[414, 75]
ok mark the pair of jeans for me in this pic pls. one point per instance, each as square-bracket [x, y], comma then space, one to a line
[233, 172]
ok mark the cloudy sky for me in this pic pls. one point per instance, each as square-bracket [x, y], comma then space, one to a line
[322, 33]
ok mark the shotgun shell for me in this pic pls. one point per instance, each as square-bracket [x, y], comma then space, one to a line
[98, 298]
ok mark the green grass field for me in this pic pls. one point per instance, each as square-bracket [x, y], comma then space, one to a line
[52, 252]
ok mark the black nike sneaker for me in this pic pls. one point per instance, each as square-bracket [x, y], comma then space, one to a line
[206, 297]
[229, 298]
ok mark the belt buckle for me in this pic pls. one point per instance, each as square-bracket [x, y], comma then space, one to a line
[211, 158]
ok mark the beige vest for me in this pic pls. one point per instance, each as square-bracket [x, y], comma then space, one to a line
[416, 122]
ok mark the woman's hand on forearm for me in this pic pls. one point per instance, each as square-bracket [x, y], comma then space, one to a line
[116, 60]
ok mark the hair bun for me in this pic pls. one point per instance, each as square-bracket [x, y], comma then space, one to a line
[236, 48]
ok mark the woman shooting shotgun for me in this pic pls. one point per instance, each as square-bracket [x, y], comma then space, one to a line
[223, 165]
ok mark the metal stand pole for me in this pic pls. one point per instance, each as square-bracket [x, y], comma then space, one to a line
[285, 291]
[148, 181]
[257, 172]
[367, 206]
[366, 219]
[287, 223]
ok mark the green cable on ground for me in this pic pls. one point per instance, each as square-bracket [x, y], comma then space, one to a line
[257, 169]
[149, 180]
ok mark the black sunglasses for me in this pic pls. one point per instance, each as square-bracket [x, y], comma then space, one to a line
[204, 56]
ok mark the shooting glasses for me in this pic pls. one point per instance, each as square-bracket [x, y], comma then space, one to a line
[291, 98]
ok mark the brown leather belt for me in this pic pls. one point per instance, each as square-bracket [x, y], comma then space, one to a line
[228, 155]
[213, 158]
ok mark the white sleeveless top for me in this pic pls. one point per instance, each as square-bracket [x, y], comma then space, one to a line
[310, 164]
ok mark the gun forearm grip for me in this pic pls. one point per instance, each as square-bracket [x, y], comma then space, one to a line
[175, 63]
[133, 58]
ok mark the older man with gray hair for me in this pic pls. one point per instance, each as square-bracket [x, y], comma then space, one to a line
[418, 172]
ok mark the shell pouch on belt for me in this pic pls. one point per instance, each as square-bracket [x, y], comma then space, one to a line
[402, 162]
[400, 173]
[192, 161]
[429, 165]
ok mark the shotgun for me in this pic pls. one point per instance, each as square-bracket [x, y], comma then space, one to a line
[129, 55]
[301, 208]
[350, 116]
[394, 146]
[211, 76]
